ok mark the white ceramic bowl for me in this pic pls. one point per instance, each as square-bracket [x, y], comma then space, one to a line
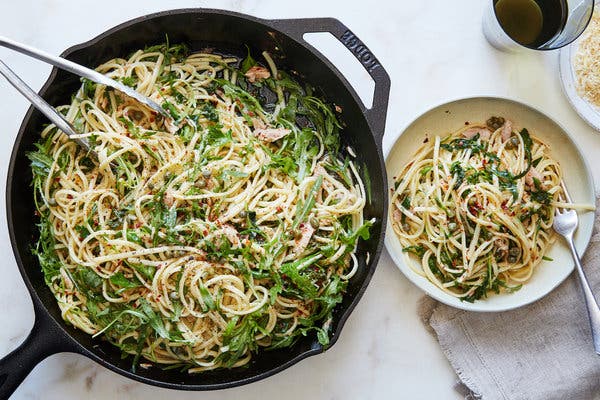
[586, 110]
[447, 118]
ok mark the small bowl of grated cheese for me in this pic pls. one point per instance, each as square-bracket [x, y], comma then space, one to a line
[580, 73]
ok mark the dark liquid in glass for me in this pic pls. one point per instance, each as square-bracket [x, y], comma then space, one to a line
[531, 22]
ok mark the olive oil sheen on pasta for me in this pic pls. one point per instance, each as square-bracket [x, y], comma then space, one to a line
[531, 22]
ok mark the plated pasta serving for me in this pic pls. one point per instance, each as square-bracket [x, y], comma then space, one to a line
[475, 207]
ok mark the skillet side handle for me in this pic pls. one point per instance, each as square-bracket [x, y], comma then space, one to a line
[44, 339]
[376, 115]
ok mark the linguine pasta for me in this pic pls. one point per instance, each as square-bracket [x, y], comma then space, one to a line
[194, 242]
[476, 208]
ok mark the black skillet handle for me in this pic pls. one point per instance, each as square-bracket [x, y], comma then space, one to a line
[376, 115]
[44, 339]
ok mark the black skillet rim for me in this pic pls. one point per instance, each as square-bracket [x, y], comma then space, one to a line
[71, 344]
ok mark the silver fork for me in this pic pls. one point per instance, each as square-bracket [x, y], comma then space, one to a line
[565, 224]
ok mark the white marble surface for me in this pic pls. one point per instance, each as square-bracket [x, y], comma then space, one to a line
[433, 50]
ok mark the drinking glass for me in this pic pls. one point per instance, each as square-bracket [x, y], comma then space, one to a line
[573, 17]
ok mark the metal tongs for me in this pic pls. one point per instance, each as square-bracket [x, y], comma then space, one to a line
[49, 111]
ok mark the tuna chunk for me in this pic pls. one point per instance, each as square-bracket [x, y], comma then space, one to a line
[484, 133]
[271, 134]
[531, 174]
[231, 234]
[257, 73]
[306, 232]
[506, 130]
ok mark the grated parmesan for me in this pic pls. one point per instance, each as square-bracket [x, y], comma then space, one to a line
[587, 62]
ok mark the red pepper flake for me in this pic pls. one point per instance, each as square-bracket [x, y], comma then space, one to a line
[279, 209]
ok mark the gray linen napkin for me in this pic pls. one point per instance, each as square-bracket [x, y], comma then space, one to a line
[541, 351]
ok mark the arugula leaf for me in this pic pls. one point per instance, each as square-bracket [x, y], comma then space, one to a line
[44, 250]
[173, 111]
[302, 282]
[473, 144]
[147, 271]
[304, 152]
[154, 320]
[457, 170]
[83, 231]
[133, 237]
[417, 250]
[119, 280]
[88, 277]
[362, 232]
[539, 195]
[130, 81]
[247, 62]
[89, 88]
[209, 302]
[40, 161]
[527, 142]
[303, 210]
[209, 112]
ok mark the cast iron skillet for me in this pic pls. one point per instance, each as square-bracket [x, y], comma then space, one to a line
[226, 32]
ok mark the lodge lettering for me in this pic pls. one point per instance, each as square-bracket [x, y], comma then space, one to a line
[357, 47]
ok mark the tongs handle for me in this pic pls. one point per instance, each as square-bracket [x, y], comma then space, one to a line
[41, 104]
[80, 70]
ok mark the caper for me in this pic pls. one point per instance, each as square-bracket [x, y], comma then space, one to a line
[452, 226]
[512, 259]
[206, 173]
[512, 143]
[495, 123]
[500, 254]
[179, 351]
[514, 251]
[314, 222]
[174, 295]
[243, 214]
